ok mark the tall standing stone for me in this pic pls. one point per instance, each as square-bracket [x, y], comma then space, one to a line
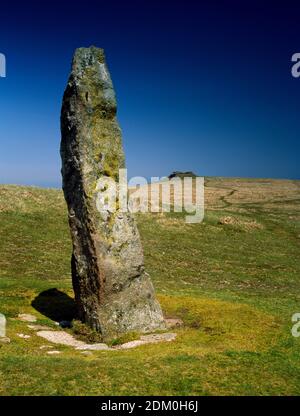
[113, 292]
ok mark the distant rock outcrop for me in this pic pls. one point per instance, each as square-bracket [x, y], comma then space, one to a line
[178, 174]
[113, 292]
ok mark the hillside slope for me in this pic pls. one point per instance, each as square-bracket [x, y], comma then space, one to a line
[233, 280]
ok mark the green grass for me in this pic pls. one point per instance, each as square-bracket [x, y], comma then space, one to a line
[234, 285]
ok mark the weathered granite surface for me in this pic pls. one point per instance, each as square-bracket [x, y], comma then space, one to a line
[113, 292]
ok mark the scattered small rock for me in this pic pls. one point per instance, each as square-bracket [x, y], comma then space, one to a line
[23, 336]
[54, 352]
[27, 317]
[45, 347]
[4, 340]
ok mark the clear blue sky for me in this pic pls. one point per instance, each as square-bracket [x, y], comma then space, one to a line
[201, 85]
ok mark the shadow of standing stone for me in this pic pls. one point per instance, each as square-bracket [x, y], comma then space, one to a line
[55, 305]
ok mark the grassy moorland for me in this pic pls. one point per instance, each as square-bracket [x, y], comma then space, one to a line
[234, 280]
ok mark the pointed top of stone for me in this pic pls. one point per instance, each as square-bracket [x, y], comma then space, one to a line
[90, 76]
[86, 57]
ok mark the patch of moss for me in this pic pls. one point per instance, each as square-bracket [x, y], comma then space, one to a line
[85, 333]
[122, 339]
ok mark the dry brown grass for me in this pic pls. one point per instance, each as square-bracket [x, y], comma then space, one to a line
[247, 225]
[237, 194]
